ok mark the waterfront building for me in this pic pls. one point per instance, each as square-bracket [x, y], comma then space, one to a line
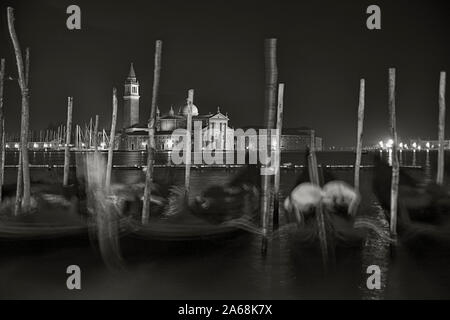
[216, 132]
[296, 139]
[291, 139]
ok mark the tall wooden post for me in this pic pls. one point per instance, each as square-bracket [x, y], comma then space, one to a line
[359, 132]
[96, 134]
[111, 142]
[187, 177]
[441, 152]
[271, 79]
[395, 163]
[2, 163]
[25, 162]
[67, 146]
[76, 137]
[276, 202]
[2, 129]
[314, 177]
[23, 73]
[151, 134]
[19, 187]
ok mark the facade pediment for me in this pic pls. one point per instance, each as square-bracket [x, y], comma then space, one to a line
[219, 116]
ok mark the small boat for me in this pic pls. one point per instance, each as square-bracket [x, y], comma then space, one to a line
[306, 199]
[219, 214]
[53, 221]
[338, 202]
[423, 209]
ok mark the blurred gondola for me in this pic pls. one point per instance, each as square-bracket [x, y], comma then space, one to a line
[423, 210]
[339, 203]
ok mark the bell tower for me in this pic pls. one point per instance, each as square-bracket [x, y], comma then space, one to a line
[131, 100]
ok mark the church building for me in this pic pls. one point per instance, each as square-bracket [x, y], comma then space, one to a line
[214, 127]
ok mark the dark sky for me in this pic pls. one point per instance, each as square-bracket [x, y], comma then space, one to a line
[216, 47]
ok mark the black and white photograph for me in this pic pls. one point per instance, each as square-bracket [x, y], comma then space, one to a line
[224, 155]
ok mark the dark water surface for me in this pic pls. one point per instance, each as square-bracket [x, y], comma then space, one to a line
[233, 268]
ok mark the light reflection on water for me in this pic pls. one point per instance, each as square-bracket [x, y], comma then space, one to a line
[132, 158]
[232, 270]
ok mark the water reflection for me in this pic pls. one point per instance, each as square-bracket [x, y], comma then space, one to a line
[331, 158]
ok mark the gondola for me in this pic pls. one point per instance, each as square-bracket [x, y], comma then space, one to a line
[56, 219]
[423, 218]
[338, 202]
[219, 215]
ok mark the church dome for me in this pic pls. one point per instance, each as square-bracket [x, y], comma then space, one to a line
[194, 110]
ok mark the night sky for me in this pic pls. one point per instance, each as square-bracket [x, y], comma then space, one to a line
[216, 47]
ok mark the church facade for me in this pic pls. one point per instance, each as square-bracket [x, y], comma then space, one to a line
[211, 131]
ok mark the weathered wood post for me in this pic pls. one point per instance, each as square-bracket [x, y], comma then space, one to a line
[19, 187]
[111, 142]
[151, 134]
[67, 146]
[79, 136]
[187, 177]
[276, 201]
[395, 163]
[76, 137]
[271, 79]
[2, 129]
[20, 199]
[359, 132]
[3, 159]
[23, 73]
[441, 135]
[314, 177]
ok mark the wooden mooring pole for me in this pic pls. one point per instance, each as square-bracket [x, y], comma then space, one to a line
[151, 134]
[67, 146]
[23, 74]
[359, 132]
[111, 143]
[19, 187]
[395, 163]
[276, 192]
[314, 177]
[2, 129]
[3, 159]
[271, 80]
[187, 177]
[441, 134]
